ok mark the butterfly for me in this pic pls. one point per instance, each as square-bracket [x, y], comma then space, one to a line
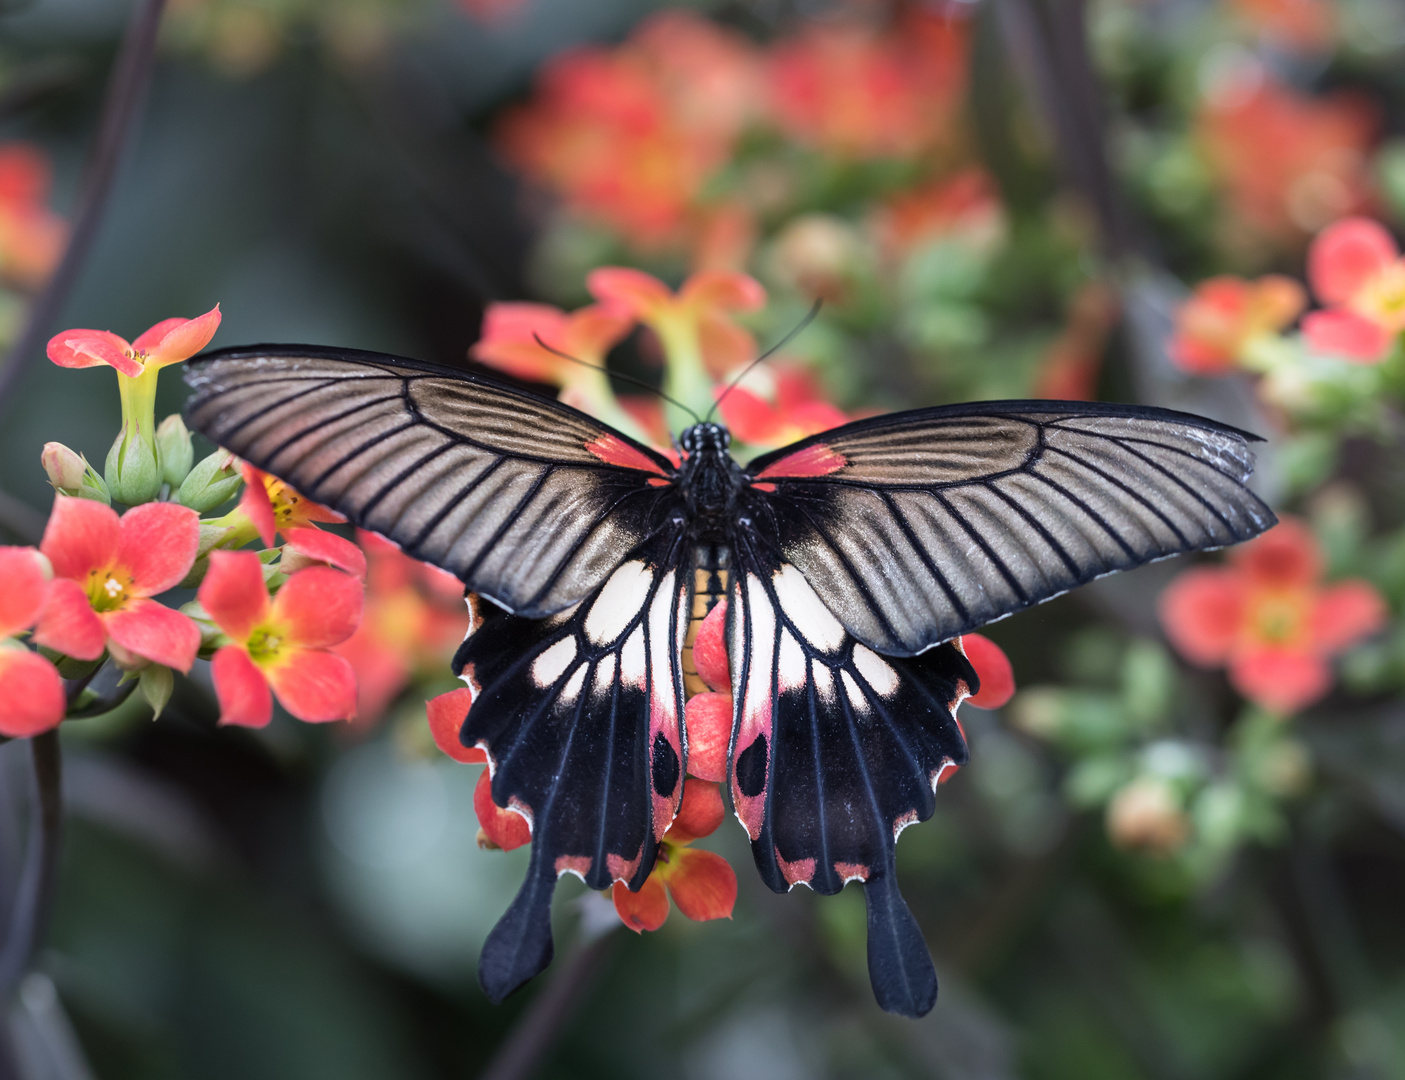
[851, 561]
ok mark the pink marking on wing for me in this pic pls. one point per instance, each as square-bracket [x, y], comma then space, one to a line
[799, 872]
[849, 871]
[763, 487]
[816, 460]
[573, 864]
[622, 870]
[613, 450]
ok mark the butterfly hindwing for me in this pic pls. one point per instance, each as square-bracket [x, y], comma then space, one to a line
[835, 750]
[579, 715]
[920, 526]
[526, 500]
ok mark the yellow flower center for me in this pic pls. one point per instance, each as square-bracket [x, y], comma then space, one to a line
[265, 644]
[1383, 297]
[108, 590]
[1279, 618]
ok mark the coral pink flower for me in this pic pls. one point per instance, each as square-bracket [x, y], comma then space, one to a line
[965, 205]
[992, 668]
[106, 570]
[282, 646]
[31, 692]
[797, 411]
[702, 883]
[275, 507]
[1269, 619]
[499, 828]
[708, 714]
[32, 237]
[168, 342]
[1226, 315]
[510, 332]
[1356, 269]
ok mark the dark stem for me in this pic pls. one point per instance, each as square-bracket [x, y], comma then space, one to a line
[125, 90]
[36, 886]
[518, 1056]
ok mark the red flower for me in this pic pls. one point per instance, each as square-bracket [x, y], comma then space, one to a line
[499, 827]
[168, 342]
[32, 237]
[275, 507]
[964, 205]
[283, 644]
[510, 332]
[106, 570]
[1267, 617]
[31, 692]
[708, 713]
[702, 883]
[992, 668]
[797, 409]
[1226, 315]
[1356, 269]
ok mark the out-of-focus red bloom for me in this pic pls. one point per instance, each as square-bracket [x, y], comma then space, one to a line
[708, 713]
[964, 205]
[630, 135]
[1069, 369]
[168, 342]
[31, 692]
[992, 668]
[1269, 619]
[1289, 164]
[1355, 268]
[702, 883]
[282, 646]
[510, 332]
[106, 570]
[32, 237]
[414, 616]
[1226, 315]
[798, 410]
[498, 827]
[1302, 25]
[491, 11]
[856, 94]
[275, 507]
[311, 547]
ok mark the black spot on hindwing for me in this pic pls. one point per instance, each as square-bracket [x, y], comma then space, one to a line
[751, 768]
[665, 766]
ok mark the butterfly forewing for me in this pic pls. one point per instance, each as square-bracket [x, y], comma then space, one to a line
[527, 501]
[921, 526]
[580, 717]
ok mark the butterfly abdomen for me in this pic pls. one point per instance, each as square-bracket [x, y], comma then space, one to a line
[711, 573]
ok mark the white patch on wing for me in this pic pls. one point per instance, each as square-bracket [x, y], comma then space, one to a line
[791, 667]
[572, 689]
[876, 671]
[806, 611]
[632, 666]
[604, 675]
[756, 711]
[854, 692]
[823, 678]
[619, 602]
[547, 667]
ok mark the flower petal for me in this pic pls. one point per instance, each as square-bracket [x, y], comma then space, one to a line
[594, 330]
[150, 629]
[708, 718]
[700, 812]
[702, 884]
[508, 340]
[725, 290]
[173, 340]
[319, 606]
[1280, 680]
[994, 670]
[1202, 612]
[1344, 256]
[257, 506]
[234, 593]
[1346, 613]
[506, 829]
[320, 546]
[92, 348]
[244, 697]
[314, 685]
[81, 535]
[710, 649]
[157, 543]
[26, 587]
[631, 290]
[32, 698]
[1345, 334]
[1287, 556]
[447, 713]
[646, 909]
[69, 624]
[382, 671]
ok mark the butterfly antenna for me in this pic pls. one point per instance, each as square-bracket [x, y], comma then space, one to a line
[777, 347]
[615, 375]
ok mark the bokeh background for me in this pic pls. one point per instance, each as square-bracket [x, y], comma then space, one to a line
[1144, 872]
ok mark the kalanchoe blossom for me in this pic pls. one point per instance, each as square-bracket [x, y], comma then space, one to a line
[1227, 318]
[795, 411]
[709, 713]
[1355, 268]
[702, 884]
[273, 507]
[31, 692]
[994, 670]
[499, 828]
[281, 646]
[31, 235]
[313, 547]
[106, 570]
[1269, 619]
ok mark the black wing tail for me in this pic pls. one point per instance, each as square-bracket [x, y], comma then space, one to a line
[520, 945]
[899, 966]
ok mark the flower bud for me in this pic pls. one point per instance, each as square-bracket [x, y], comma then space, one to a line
[213, 481]
[71, 474]
[174, 450]
[156, 684]
[133, 474]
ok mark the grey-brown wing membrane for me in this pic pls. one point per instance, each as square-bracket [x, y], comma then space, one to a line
[921, 526]
[528, 501]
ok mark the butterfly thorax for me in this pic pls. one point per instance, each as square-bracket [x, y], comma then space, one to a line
[709, 478]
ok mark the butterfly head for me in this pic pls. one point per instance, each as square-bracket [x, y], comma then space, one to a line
[705, 437]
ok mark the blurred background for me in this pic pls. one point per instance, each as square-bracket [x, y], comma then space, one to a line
[1148, 870]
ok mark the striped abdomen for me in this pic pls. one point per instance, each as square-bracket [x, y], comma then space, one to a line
[712, 567]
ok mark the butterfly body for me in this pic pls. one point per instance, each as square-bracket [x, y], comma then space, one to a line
[851, 562]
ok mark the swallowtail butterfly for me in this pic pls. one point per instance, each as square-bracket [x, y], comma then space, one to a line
[852, 561]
